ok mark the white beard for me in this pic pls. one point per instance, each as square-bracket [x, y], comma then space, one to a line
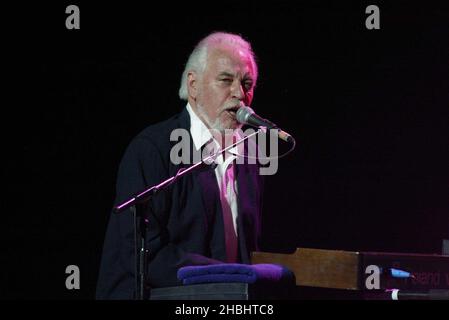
[216, 125]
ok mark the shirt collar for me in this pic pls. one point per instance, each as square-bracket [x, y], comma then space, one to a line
[200, 133]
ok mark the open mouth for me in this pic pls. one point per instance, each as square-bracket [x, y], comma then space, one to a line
[232, 111]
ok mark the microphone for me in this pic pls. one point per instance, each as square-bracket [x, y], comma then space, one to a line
[246, 115]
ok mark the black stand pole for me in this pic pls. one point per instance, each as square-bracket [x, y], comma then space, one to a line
[141, 224]
[140, 252]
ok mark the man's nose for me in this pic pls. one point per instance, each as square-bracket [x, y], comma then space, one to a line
[237, 91]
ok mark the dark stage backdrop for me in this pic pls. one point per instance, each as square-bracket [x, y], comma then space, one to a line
[368, 108]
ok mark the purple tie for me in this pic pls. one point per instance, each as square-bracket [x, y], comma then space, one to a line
[227, 191]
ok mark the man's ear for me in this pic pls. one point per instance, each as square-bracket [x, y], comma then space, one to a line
[192, 84]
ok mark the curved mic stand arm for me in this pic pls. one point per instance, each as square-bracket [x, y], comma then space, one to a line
[141, 224]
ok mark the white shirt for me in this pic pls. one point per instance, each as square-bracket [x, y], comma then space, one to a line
[201, 135]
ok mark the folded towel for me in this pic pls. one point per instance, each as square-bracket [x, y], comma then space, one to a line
[234, 272]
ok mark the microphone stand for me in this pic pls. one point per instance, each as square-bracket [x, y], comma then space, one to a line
[141, 224]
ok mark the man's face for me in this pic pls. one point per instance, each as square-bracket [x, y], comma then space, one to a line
[226, 84]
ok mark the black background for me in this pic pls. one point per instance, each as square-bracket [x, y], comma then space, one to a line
[368, 108]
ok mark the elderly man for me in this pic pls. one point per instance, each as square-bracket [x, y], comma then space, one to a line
[209, 216]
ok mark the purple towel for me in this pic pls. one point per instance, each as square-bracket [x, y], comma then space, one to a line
[233, 272]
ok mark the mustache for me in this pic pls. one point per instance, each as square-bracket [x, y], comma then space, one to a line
[233, 107]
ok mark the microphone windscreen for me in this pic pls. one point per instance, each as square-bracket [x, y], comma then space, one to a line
[243, 113]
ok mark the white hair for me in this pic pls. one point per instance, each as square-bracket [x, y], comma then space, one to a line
[198, 58]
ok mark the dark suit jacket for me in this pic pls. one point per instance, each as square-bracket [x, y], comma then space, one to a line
[185, 220]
